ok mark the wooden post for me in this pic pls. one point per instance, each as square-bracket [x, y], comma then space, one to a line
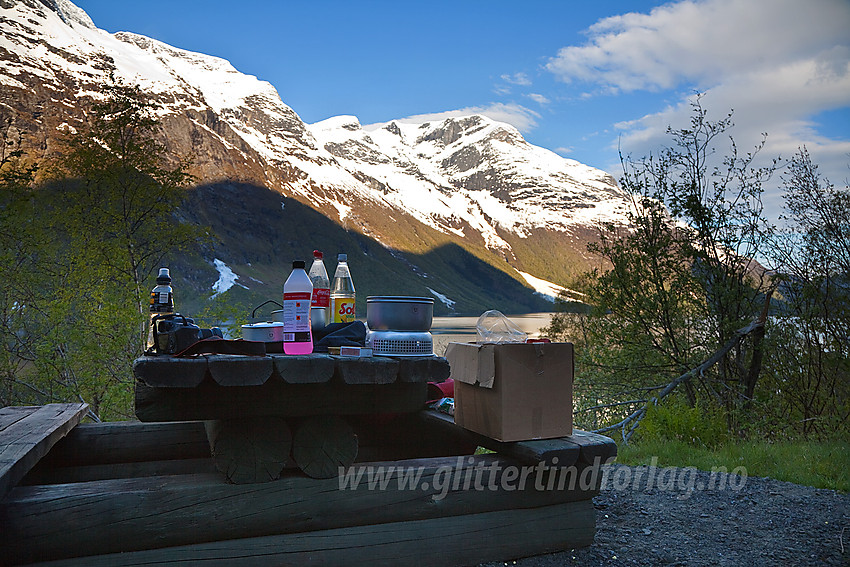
[323, 444]
[250, 450]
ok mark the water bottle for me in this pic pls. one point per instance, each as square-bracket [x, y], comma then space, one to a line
[297, 293]
[161, 300]
[342, 293]
[320, 303]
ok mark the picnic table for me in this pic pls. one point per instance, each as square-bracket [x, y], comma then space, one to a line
[151, 493]
[259, 410]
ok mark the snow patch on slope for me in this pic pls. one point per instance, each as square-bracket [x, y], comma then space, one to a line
[226, 278]
[450, 303]
[548, 290]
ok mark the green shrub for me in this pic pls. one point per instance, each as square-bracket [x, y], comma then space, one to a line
[674, 420]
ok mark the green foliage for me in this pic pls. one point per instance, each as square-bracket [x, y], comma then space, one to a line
[822, 465]
[674, 420]
[810, 363]
[83, 247]
[680, 282]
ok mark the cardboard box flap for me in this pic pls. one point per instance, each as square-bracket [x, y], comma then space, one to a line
[472, 364]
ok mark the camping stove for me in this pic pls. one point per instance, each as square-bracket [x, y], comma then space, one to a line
[400, 343]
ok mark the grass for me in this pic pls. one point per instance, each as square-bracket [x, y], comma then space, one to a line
[821, 465]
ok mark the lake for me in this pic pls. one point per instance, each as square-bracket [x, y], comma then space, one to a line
[446, 330]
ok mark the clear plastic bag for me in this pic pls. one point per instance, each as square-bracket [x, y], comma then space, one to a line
[494, 327]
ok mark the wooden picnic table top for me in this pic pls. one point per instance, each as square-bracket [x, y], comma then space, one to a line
[211, 387]
[237, 370]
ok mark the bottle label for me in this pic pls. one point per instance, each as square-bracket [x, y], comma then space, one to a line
[296, 337]
[342, 309]
[321, 297]
[161, 302]
[296, 317]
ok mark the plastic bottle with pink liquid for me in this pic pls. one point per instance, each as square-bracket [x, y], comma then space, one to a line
[297, 293]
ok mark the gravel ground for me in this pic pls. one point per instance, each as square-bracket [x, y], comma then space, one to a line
[685, 517]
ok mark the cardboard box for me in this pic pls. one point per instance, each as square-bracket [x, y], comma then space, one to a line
[513, 392]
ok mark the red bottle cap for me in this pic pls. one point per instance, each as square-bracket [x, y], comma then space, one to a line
[317, 254]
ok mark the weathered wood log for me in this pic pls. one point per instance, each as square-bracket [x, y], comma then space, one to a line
[27, 434]
[405, 436]
[149, 513]
[323, 444]
[373, 370]
[131, 449]
[211, 401]
[306, 369]
[88, 473]
[169, 372]
[127, 442]
[235, 370]
[424, 369]
[560, 451]
[250, 450]
[455, 540]
[593, 446]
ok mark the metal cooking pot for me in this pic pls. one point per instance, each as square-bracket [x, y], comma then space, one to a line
[399, 313]
[318, 317]
[263, 332]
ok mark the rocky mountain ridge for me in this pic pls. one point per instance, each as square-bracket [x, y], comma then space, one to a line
[412, 199]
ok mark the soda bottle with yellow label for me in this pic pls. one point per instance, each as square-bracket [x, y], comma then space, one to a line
[342, 293]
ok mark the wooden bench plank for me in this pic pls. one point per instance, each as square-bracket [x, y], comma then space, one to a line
[593, 446]
[148, 513]
[10, 415]
[25, 441]
[559, 452]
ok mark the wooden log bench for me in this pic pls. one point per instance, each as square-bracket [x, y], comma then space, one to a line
[135, 493]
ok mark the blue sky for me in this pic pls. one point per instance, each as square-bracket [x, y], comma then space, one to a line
[581, 78]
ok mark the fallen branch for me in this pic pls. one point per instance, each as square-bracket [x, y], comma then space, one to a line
[635, 417]
[611, 405]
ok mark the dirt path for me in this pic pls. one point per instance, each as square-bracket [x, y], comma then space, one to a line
[689, 517]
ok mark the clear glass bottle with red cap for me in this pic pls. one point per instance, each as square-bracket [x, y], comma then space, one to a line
[320, 304]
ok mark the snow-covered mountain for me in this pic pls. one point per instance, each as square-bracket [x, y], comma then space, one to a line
[468, 183]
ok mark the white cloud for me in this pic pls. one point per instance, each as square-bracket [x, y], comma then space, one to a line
[702, 43]
[538, 98]
[517, 79]
[776, 63]
[522, 118]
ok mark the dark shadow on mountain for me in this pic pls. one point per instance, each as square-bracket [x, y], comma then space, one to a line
[260, 232]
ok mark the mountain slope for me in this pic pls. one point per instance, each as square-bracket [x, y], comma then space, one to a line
[424, 195]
